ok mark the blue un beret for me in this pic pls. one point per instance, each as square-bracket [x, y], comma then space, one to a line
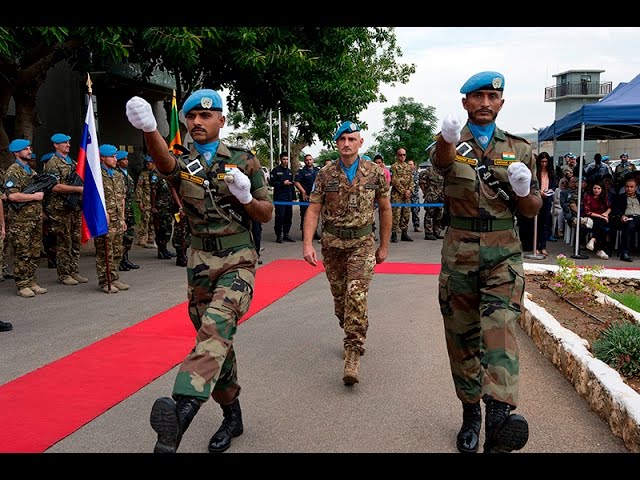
[148, 159]
[120, 154]
[365, 157]
[483, 81]
[60, 138]
[46, 157]
[107, 150]
[346, 127]
[205, 99]
[19, 144]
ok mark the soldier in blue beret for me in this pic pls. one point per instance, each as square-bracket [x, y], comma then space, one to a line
[60, 138]
[346, 127]
[223, 190]
[489, 179]
[19, 144]
[122, 157]
[46, 157]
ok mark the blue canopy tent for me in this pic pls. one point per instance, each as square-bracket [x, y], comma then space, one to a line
[616, 116]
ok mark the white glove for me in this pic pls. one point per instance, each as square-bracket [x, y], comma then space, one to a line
[140, 114]
[451, 127]
[519, 178]
[239, 185]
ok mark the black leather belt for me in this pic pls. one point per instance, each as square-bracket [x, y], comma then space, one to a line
[482, 224]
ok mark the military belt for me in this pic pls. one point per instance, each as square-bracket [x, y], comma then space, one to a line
[482, 224]
[346, 233]
[214, 244]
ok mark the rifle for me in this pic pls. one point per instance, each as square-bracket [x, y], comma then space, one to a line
[72, 200]
[42, 182]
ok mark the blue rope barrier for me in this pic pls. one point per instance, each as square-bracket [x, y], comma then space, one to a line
[427, 205]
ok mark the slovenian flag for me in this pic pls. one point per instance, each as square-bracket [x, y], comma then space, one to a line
[94, 210]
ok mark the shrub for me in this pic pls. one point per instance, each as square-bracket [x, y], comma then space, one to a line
[571, 279]
[619, 347]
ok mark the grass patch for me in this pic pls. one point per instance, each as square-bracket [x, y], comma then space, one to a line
[630, 300]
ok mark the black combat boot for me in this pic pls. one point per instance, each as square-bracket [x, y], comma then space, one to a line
[405, 237]
[181, 259]
[503, 431]
[123, 267]
[171, 419]
[129, 263]
[163, 253]
[278, 238]
[231, 427]
[394, 237]
[469, 435]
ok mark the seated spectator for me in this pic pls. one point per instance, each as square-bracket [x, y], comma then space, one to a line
[557, 217]
[596, 207]
[626, 213]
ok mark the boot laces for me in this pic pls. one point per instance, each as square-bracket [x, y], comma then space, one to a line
[471, 415]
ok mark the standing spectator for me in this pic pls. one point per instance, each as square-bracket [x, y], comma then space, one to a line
[25, 224]
[570, 167]
[596, 171]
[623, 170]
[482, 275]
[596, 206]
[432, 185]
[222, 263]
[109, 245]
[143, 197]
[627, 214]
[547, 181]
[348, 245]
[304, 179]
[64, 210]
[122, 157]
[281, 180]
[380, 162]
[401, 189]
[415, 197]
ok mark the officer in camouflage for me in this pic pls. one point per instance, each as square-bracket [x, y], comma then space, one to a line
[147, 177]
[162, 208]
[109, 248]
[66, 219]
[181, 238]
[401, 189]
[432, 186]
[344, 194]
[489, 177]
[25, 224]
[222, 190]
[122, 157]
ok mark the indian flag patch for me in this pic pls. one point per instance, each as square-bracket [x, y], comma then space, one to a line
[508, 156]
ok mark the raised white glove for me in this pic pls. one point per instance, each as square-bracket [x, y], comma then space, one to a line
[451, 127]
[140, 114]
[519, 178]
[239, 185]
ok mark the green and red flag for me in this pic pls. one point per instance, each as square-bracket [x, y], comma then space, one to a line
[174, 127]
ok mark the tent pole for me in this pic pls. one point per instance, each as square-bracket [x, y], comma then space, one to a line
[581, 166]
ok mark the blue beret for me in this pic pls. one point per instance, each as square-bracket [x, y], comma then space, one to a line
[19, 144]
[107, 150]
[120, 154]
[46, 157]
[148, 159]
[483, 81]
[60, 138]
[570, 155]
[605, 158]
[346, 127]
[205, 99]
[365, 157]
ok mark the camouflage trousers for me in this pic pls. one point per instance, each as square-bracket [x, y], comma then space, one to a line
[433, 221]
[25, 239]
[129, 233]
[415, 211]
[481, 288]
[145, 229]
[66, 225]
[220, 290]
[400, 215]
[163, 224]
[112, 242]
[349, 266]
[181, 239]
[4, 250]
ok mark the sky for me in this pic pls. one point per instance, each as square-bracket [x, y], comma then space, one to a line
[528, 57]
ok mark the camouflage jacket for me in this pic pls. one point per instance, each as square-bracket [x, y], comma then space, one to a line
[63, 170]
[401, 177]
[16, 178]
[161, 197]
[143, 189]
[114, 194]
[129, 188]
[432, 185]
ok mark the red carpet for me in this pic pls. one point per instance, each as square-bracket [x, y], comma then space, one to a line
[44, 406]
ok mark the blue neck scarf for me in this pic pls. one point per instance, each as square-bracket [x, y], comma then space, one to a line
[66, 159]
[108, 170]
[207, 150]
[26, 166]
[482, 133]
[350, 171]
[124, 171]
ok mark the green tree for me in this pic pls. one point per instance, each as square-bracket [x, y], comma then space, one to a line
[410, 125]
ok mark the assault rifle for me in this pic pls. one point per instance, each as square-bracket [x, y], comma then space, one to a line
[42, 182]
[73, 199]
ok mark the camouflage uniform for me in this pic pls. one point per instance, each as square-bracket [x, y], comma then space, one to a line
[349, 262]
[432, 186]
[143, 197]
[114, 197]
[220, 271]
[25, 227]
[415, 198]
[4, 242]
[163, 207]
[130, 219]
[181, 239]
[481, 283]
[401, 180]
[619, 175]
[66, 224]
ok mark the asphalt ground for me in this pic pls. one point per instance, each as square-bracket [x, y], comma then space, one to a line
[290, 365]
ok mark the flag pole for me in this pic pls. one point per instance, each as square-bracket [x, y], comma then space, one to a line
[106, 235]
